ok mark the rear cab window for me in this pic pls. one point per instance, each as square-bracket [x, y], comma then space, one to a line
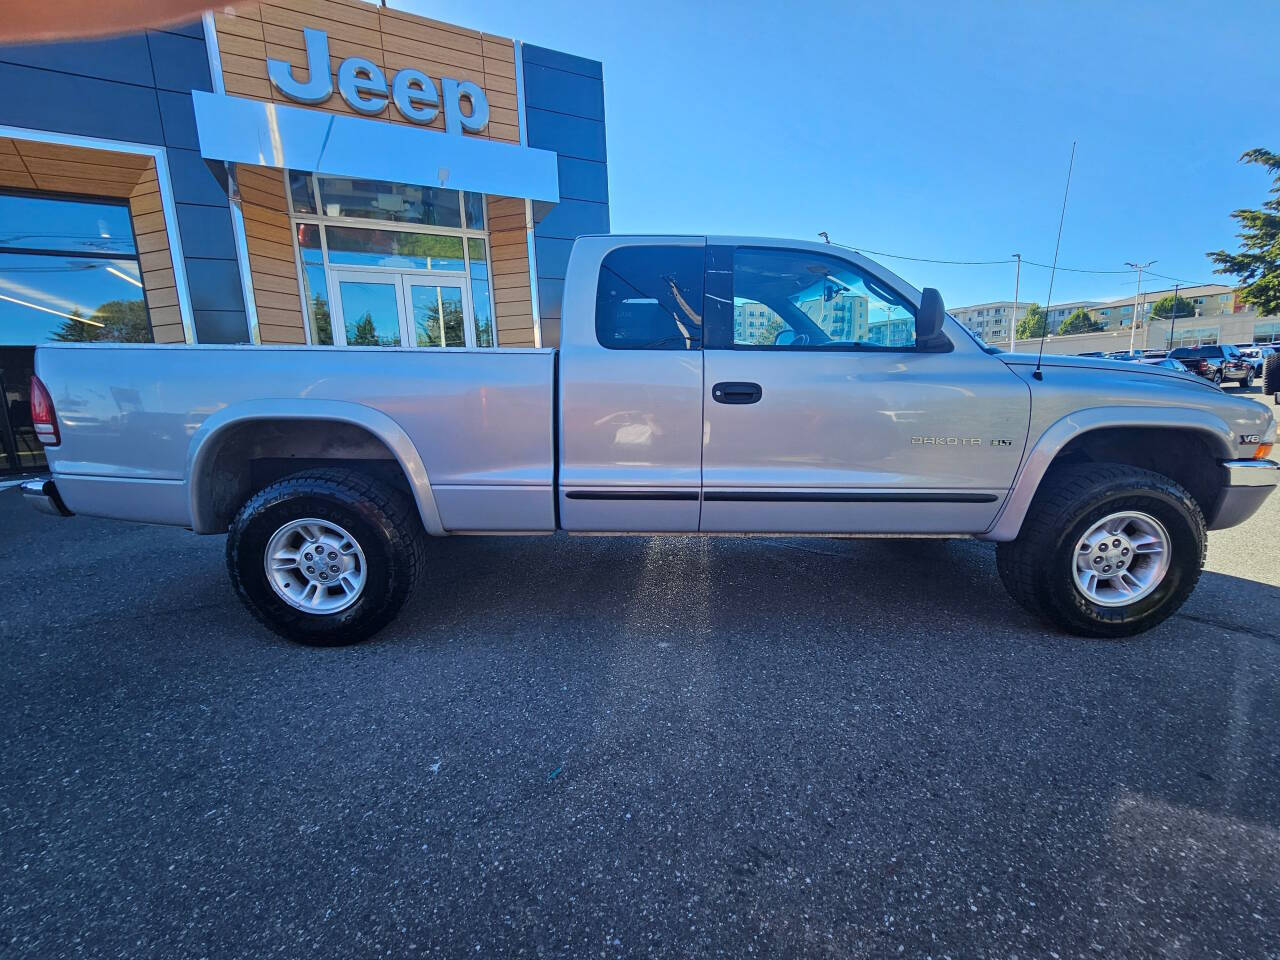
[649, 297]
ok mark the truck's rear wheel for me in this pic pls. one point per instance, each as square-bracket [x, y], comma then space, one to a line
[1106, 550]
[325, 557]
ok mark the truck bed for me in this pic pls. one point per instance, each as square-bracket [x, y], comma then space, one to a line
[136, 419]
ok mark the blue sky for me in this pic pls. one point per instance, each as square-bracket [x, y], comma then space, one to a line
[934, 129]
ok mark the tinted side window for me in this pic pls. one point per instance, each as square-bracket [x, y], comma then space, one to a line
[794, 299]
[650, 298]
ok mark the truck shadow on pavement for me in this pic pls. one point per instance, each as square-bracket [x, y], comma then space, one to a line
[765, 585]
[765, 745]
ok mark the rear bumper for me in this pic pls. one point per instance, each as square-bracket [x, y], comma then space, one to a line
[1247, 484]
[44, 496]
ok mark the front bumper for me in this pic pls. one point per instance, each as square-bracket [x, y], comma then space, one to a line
[1247, 484]
[44, 496]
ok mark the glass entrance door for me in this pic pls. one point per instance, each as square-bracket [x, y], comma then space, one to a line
[370, 309]
[392, 309]
[437, 314]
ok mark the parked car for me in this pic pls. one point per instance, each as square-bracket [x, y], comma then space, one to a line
[665, 410]
[1125, 355]
[1257, 354]
[1169, 363]
[1092, 353]
[1221, 363]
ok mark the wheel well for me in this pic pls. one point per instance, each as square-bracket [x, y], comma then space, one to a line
[253, 454]
[1184, 456]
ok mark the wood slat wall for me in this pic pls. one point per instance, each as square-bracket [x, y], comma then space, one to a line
[271, 260]
[58, 168]
[154, 258]
[509, 258]
[250, 33]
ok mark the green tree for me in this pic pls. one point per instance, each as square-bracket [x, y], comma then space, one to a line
[1165, 308]
[364, 335]
[770, 332]
[1258, 262]
[320, 314]
[1032, 324]
[1081, 321]
[116, 321]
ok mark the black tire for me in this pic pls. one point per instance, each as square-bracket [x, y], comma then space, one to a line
[1271, 376]
[1036, 568]
[382, 520]
[1217, 377]
[1247, 382]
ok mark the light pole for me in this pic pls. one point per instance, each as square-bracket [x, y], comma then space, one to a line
[1013, 322]
[1133, 325]
[1173, 319]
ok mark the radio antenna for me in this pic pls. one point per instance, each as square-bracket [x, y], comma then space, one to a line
[1044, 328]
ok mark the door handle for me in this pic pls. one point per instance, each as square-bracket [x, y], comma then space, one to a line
[734, 391]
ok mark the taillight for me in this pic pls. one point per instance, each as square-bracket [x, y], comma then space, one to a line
[42, 415]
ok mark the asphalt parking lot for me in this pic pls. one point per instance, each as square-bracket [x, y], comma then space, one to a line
[630, 747]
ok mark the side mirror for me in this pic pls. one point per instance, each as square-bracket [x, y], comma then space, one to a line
[929, 319]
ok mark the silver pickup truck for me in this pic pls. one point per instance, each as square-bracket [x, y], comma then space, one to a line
[705, 385]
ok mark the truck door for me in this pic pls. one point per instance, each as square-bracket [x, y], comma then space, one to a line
[630, 375]
[821, 415]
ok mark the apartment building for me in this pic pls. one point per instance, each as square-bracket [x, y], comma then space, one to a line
[1209, 300]
[993, 322]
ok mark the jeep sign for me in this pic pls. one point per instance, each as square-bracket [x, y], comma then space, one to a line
[364, 86]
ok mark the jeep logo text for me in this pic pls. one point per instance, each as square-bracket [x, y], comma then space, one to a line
[364, 86]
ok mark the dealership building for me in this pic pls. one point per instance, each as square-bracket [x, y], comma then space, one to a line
[304, 172]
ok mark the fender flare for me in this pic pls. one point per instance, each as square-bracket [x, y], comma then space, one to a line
[204, 444]
[1008, 521]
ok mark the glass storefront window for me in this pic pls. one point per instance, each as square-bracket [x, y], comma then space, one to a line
[1268, 332]
[20, 448]
[481, 300]
[357, 247]
[1195, 337]
[474, 204]
[394, 202]
[302, 192]
[69, 271]
[315, 287]
[412, 229]
[32, 222]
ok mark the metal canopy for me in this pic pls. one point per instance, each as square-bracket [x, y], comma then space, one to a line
[237, 130]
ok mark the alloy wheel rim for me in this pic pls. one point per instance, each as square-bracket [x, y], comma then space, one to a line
[1121, 558]
[315, 566]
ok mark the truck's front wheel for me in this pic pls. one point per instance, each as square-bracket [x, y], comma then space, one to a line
[1106, 550]
[325, 557]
